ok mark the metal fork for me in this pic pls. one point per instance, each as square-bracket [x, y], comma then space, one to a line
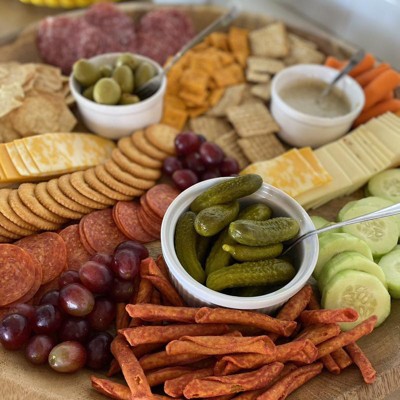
[150, 87]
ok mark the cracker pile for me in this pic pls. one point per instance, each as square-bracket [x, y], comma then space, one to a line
[34, 99]
[131, 170]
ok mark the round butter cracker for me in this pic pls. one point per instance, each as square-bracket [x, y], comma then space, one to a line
[143, 145]
[129, 150]
[162, 137]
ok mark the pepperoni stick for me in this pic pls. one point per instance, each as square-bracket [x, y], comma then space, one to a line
[122, 317]
[319, 333]
[162, 265]
[150, 312]
[312, 317]
[348, 337]
[143, 295]
[163, 334]
[159, 376]
[131, 369]
[213, 386]
[341, 358]
[360, 359]
[155, 297]
[222, 315]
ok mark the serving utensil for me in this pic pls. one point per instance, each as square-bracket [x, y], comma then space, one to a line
[150, 87]
[384, 212]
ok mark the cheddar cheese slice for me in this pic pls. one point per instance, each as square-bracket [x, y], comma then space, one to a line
[16, 159]
[26, 157]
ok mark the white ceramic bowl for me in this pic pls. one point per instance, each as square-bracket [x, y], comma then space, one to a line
[195, 294]
[114, 122]
[299, 129]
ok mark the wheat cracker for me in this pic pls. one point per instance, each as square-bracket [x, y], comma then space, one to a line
[210, 127]
[129, 150]
[257, 77]
[229, 143]
[142, 144]
[232, 97]
[265, 65]
[162, 137]
[262, 90]
[270, 41]
[262, 147]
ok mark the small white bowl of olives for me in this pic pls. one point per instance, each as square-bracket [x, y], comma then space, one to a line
[104, 90]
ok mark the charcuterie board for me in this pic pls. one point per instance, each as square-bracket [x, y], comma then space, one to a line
[20, 380]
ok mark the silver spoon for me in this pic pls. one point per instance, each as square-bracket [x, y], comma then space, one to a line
[384, 212]
[150, 87]
[354, 60]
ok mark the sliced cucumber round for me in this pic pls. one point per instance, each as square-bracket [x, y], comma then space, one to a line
[359, 290]
[380, 234]
[349, 260]
[390, 264]
[386, 184]
[334, 243]
[318, 221]
[344, 209]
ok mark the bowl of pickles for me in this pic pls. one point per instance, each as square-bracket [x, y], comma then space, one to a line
[223, 241]
[104, 88]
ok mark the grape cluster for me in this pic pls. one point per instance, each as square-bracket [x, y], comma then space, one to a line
[197, 160]
[69, 327]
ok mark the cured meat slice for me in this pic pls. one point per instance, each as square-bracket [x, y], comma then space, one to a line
[159, 198]
[49, 250]
[149, 212]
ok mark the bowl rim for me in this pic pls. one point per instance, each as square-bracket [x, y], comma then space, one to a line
[308, 118]
[117, 108]
[206, 295]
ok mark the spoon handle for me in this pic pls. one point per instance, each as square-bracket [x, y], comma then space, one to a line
[384, 212]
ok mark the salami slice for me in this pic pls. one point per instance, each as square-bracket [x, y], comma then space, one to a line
[77, 255]
[150, 213]
[101, 232]
[49, 251]
[159, 198]
[126, 214]
[17, 273]
[83, 239]
[148, 225]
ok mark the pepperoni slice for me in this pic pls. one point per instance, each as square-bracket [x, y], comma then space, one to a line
[126, 214]
[150, 213]
[101, 232]
[50, 252]
[148, 225]
[77, 255]
[17, 273]
[159, 198]
[83, 239]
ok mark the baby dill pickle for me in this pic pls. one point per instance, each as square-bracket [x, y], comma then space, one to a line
[263, 233]
[251, 291]
[202, 247]
[213, 219]
[256, 212]
[256, 273]
[227, 191]
[185, 246]
[241, 252]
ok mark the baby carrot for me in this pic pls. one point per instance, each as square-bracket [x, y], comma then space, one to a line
[378, 109]
[364, 65]
[334, 62]
[368, 76]
[376, 90]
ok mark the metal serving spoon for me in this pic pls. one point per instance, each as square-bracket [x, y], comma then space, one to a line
[354, 60]
[150, 87]
[384, 212]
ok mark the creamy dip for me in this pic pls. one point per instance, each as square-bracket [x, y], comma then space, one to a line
[304, 95]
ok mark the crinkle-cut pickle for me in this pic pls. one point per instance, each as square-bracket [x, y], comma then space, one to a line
[212, 220]
[263, 233]
[241, 252]
[185, 246]
[257, 273]
[227, 191]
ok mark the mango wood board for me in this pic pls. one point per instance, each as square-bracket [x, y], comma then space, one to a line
[19, 380]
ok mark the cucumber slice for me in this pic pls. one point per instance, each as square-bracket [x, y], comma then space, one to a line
[334, 243]
[381, 234]
[386, 184]
[349, 260]
[390, 264]
[344, 209]
[318, 221]
[359, 290]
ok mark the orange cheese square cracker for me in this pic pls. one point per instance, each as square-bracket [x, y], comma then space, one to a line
[230, 75]
[174, 117]
[238, 40]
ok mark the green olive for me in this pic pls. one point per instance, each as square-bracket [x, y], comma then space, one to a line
[88, 92]
[86, 73]
[123, 75]
[143, 73]
[106, 71]
[127, 98]
[127, 59]
[106, 91]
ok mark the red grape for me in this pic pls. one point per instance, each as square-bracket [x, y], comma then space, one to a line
[211, 153]
[24, 309]
[47, 319]
[171, 164]
[15, 331]
[98, 351]
[122, 291]
[102, 258]
[67, 356]
[103, 314]
[186, 143]
[38, 349]
[202, 138]
[96, 277]
[229, 166]
[211, 173]
[135, 247]
[74, 329]
[184, 178]
[195, 163]
[76, 300]
[50, 298]
[126, 264]
[68, 277]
